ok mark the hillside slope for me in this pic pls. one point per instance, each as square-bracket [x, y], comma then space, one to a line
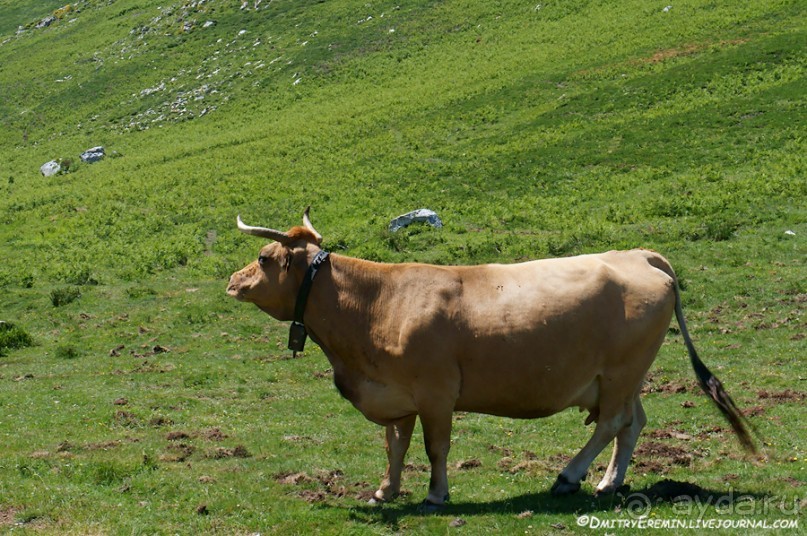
[484, 110]
[136, 397]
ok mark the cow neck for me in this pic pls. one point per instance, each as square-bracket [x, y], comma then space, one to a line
[297, 331]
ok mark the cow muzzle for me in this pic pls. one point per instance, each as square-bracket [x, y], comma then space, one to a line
[238, 286]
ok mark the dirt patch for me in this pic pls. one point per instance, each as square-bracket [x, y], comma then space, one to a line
[8, 516]
[786, 395]
[469, 464]
[177, 436]
[649, 467]
[293, 478]
[125, 418]
[214, 434]
[670, 454]
[687, 50]
[239, 451]
[312, 496]
[160, 421]
[713, 431]
[754, 411]
[532, 464]
[416, 468]
[669, 434]
[326, 484]
[177, 452]
[301, 439]
[103, 445]
[501, 450]
[652, 384]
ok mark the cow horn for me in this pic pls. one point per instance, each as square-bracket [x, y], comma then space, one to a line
[307, 223]
[271, 234]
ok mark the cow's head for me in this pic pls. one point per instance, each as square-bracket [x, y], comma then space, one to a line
[272, 281]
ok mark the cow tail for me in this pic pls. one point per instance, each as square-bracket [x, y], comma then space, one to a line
[712, 386]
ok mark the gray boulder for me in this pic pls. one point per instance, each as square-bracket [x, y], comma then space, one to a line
[93, 155]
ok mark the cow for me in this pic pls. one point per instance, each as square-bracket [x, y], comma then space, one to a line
[522, 340]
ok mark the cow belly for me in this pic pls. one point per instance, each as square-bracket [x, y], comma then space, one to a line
[526, 395]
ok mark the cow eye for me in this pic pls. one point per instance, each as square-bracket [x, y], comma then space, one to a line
[262, 260]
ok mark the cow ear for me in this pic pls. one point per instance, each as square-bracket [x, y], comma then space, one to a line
[284, 257]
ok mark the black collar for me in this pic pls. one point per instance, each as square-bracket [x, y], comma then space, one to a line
[297, 331]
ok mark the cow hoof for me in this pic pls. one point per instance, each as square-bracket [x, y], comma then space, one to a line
[378, 498]
[428, 507]
[611, 490]
[563, 486]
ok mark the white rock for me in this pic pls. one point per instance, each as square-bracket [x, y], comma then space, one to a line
[50, 169]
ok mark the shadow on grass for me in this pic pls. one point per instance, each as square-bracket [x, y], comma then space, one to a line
[632, 504]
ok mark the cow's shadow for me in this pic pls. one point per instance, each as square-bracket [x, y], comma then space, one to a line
[633, 503]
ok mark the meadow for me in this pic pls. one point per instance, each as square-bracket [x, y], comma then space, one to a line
[136, 397]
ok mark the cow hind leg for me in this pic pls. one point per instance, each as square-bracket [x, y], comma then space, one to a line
[608, 426]
[398, 437]
[625, 443]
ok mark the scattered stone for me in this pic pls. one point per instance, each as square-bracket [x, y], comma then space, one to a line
[44, 23]
[202, 510]
[204, 479]
[49, 169]
[525, 514]
[121, 401]
[458, 522]
[90, 156]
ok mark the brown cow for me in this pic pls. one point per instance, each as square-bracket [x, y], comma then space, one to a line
[521, 340]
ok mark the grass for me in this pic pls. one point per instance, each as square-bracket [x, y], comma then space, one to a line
[143, 400]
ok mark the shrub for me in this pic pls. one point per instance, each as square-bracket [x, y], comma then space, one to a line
[66, 352]
[63, 296]
[12, 337]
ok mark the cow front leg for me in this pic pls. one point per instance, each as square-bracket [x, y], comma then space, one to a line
[437, 436]
[398, 437]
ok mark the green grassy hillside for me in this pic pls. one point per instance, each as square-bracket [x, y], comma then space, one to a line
[131, 386]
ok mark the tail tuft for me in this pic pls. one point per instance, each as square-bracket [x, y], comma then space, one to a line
[714, 389]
